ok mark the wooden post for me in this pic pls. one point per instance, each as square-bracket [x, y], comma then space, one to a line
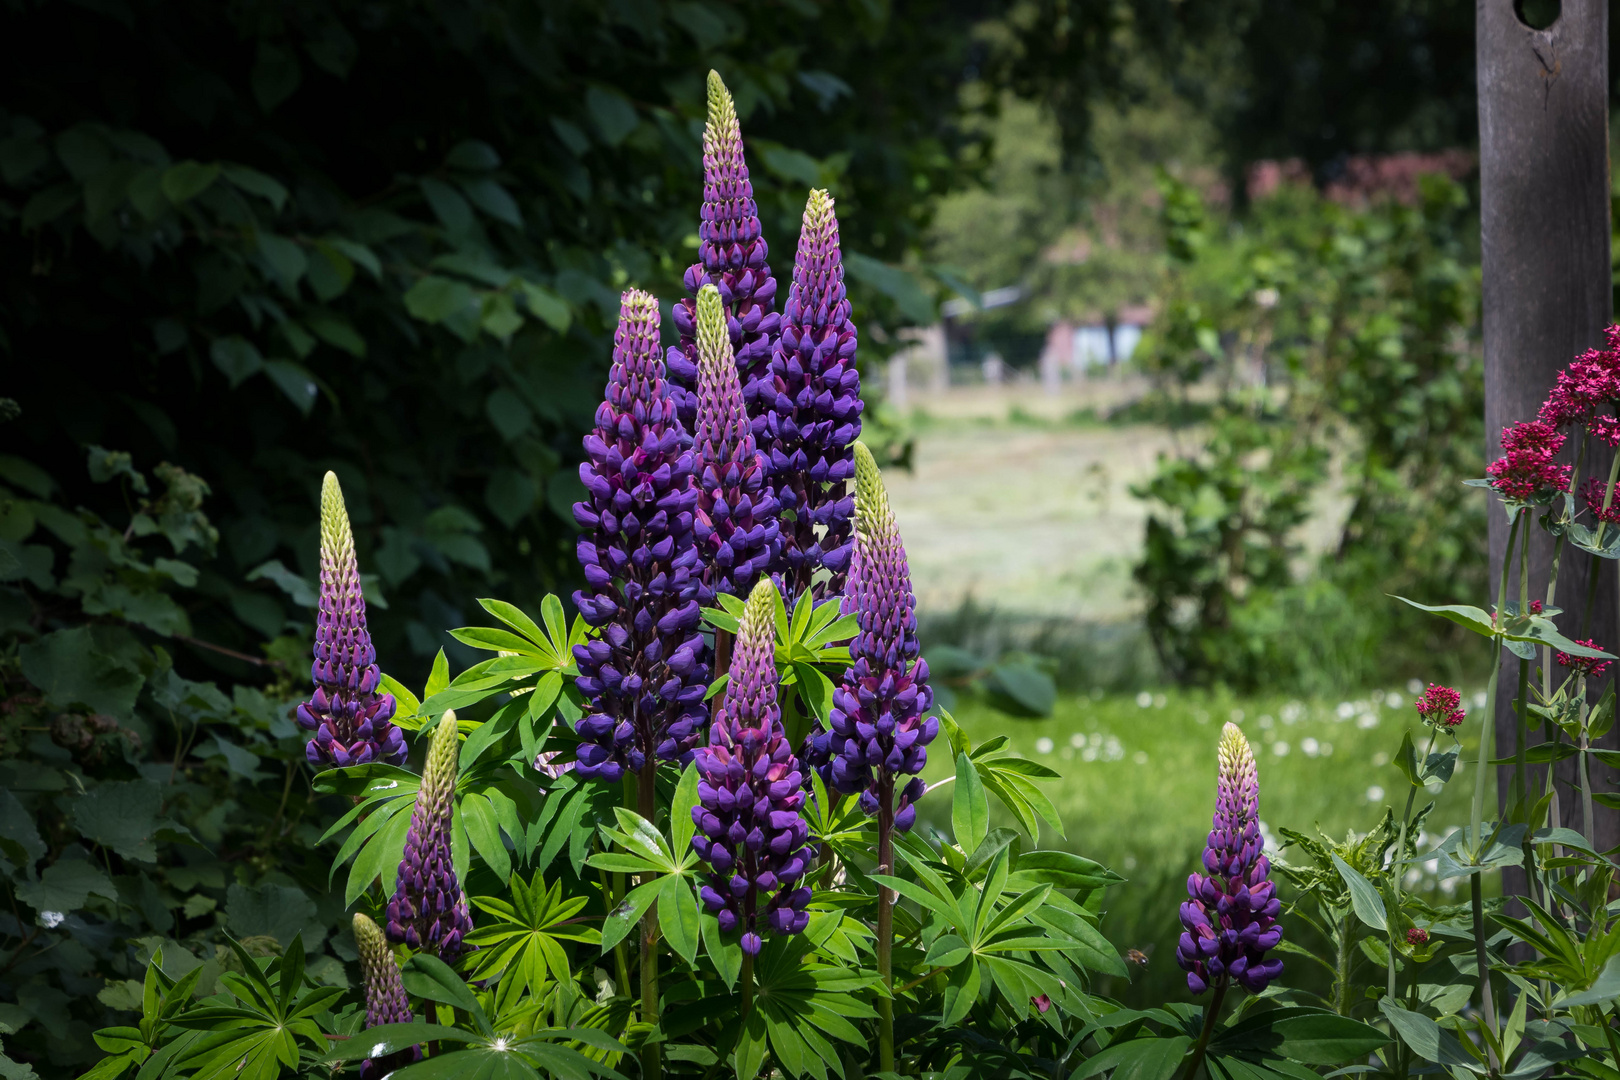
[1544, 223]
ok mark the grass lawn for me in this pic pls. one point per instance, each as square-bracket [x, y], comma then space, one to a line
[1138, 788]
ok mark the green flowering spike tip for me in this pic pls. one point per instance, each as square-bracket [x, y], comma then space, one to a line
[872, 514]
[713, 337]
[386, 1002]
[722, 123]
[337, 539]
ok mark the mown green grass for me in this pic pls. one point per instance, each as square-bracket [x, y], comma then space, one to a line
[1138, 789]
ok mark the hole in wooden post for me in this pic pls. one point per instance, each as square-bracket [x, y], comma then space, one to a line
[1537, 14]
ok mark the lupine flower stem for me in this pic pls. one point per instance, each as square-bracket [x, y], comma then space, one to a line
[647, 807]
[885, 923]
[1211, 1014]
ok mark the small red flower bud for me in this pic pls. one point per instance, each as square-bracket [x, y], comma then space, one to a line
[1417, 937]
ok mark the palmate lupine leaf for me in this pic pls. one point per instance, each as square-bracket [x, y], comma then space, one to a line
[800, 1006]
[986, 935]
[814, 637]
[268, 1027]
[523, 948]
[667, 871]
[161, 999]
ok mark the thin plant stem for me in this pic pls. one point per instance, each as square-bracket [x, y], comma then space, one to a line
[1211, 1014]
[1398, 865]
[1588, 822]
[1488, 722]
[1521, 713]
[723, 640]
[1486, 998]
[746, 981]
[647, 806]
[885, 924]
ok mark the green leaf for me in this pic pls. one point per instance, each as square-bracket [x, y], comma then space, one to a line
[970, 809]
[1427, 1039]
[681, 825]
[121, 815]
[1604, 990]
[546, 306]
[68, 667]
[388, 1038]
[678, 916]
[484, 831]
[257, 183]
[337, 332]
[279, 911]
[1369, 906]
[623, 918]
[434, 299]
[1309, 1036]
[188, 179]
[1138, 1059]
[614, 116]
[961, 991]
[295, 383]
[65, 886]
[1021, 689]
[236, 357]
[1475, 619]
[897, 284]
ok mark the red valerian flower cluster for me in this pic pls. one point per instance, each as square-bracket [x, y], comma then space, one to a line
[1440, 706]
[1590, 666]
[1590, 385]
[1527, 471]
[1594, 492]
[1417, 937]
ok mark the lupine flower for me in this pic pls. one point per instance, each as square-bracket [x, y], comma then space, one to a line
[428, 910]
[750, 791]
[1440, 706]
[645, 675]
[1585, 389]
[385, 995]
[735, 525]
[811, 407]
[1230, 916]
[1527, 471]
[731, 257]
[1593, 492]
[879, 735]
[1417, 937]
[1590, 666]
[351, 720]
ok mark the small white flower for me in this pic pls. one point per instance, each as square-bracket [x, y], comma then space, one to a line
[1280, 748]
[1345, 710]
[1236, 716]
[1159, 701]
[1414, 687]
[1141, 757]
[1367, 721]
[1375, 793]
[1043, 745]
[1265, 723]
[1394, 699]
[1077, 740]
[1144, 700]
[1310, 746]
[51, 919]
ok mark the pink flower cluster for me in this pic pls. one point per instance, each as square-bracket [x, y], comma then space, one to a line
[1440, 706]
[1527, 471]
[1585, 389]
[1589, 666]
[1593, 491]
[1417, 937]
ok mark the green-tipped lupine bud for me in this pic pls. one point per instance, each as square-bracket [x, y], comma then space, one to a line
[350, 718]
[386, 1002]
[879, 734]
[735, 524]
[429, 910]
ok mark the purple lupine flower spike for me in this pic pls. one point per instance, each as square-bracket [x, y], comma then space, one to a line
[351, 719]
[879, 734]
[646, 675]
[750, 791]
[1230, 916]
[428, 910]
[731, 257]
[385, 996]
[811, 408]
[736, 528]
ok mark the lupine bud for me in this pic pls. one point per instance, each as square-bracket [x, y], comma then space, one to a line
[429, 911]
[731, 257]
[351, 720]
[735, 525]
[810, 410]
[750, 791]
[645, 676]
[1230, 916]
[879, 734]
[385, 995]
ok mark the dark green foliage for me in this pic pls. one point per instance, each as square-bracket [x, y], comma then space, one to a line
[1341, 346]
